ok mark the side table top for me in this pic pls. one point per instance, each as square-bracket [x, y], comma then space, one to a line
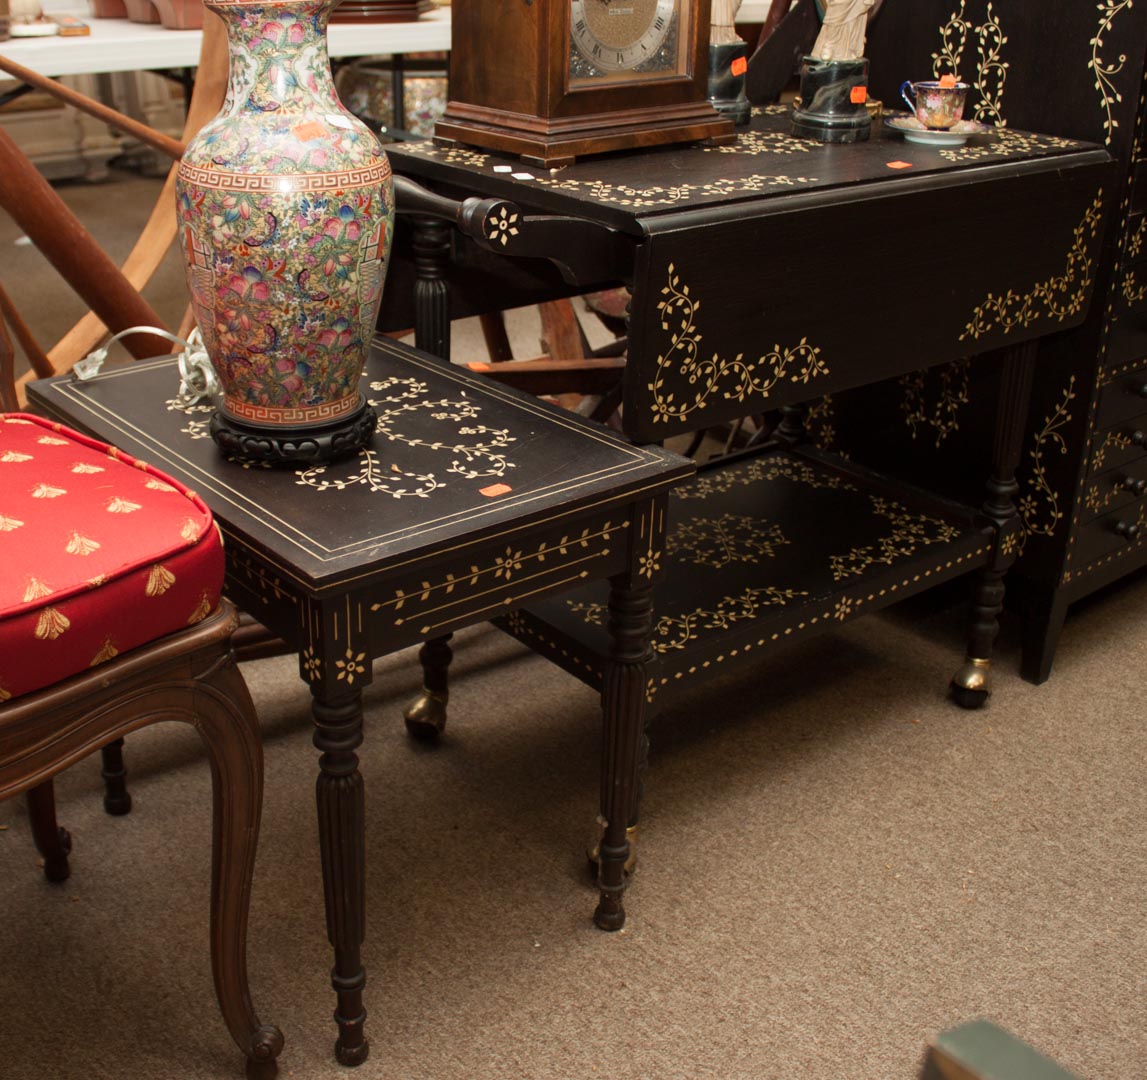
[767, 165]
[456, 459]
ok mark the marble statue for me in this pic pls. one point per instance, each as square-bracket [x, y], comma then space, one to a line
[842, 31]
[723, 15]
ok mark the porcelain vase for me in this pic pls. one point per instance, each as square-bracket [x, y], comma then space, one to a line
[286, 214]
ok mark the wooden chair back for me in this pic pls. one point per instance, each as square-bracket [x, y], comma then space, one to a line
[113, 293]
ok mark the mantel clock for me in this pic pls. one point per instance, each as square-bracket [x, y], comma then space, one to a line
[553, 80]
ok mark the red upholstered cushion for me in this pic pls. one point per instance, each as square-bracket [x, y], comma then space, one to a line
[99, 554]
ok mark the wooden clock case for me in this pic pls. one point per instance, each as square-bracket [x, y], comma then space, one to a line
[509, 71]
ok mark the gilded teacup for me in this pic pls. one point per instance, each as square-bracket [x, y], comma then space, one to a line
[937, 105]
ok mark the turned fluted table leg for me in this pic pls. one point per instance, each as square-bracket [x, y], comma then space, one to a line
[971, 685]
[623, 723]
[431, 291]
[341, 808]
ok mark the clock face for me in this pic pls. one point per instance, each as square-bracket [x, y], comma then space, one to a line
[626, 40]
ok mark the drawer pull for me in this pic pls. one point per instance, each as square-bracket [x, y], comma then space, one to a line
[1129, 530]
[1141, 390]
[1135, 485]
[1137, 438]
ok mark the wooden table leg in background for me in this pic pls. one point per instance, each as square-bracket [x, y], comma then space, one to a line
[971, 685]
[623, 728]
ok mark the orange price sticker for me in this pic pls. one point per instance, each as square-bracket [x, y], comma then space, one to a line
[305, 132]
[478, 365]
[900, 164]
[858, 95]
[947, 80]
[739, 66]
[494, 490]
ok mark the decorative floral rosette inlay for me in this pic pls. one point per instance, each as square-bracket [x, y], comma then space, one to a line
[285, 213]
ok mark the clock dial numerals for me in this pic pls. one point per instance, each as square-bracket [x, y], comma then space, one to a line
[627, 39]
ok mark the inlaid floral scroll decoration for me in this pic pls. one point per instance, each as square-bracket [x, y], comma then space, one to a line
[1059, 297]
[1039, 505]
[685, 381]
[991, 69]
[1108, 70]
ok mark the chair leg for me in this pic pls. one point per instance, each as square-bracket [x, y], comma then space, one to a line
[117, 798]
[226, 721]
[52, 842]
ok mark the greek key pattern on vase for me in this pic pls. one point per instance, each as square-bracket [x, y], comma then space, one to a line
[720, 541]
[1039, 505]
[1059, 297]
[738, 379]
[943, 417]
[480, 586]
[222, 180]
[475, 450]
[772, 467]
[991, 68]
[1107, 71]
[910, 532]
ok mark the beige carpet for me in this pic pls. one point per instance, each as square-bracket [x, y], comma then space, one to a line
[836, 864]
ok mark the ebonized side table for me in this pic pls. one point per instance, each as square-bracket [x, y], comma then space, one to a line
[767, 274]
[470, 500]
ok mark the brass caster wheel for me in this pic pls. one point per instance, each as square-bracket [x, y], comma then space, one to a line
[426, 716]
[972, 684]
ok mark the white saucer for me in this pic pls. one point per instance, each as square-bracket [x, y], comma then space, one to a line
[914, 131]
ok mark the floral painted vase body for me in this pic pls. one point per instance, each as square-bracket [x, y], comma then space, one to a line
[286, 212]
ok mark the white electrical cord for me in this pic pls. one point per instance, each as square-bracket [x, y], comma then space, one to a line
[197, 379]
